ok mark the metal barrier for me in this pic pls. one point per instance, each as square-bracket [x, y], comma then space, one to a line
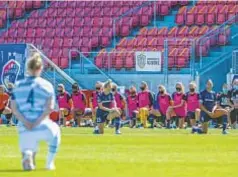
[220, 35]
[235, 62]
[51, 71]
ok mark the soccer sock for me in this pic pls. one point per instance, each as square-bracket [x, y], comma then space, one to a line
[151, 120]
[8, 116]
[76, 122]
[224, 125]
[117, 123]
[134, 121]
[53, 149]
[168, 124]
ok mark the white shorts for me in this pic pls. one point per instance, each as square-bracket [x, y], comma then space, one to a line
[47, 131]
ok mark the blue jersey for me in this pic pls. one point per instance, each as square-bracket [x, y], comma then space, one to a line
[31, 96]
[208, 99]
[106, 100]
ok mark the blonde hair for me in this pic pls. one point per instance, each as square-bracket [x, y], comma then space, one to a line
[35, 62]
[145, 83]
[62, 86]
[193, 83]
[181, 85]
[163, 87]
[107, 83]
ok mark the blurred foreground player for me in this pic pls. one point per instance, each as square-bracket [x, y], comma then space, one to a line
[32, 101]
[107, 109]
[4, 105]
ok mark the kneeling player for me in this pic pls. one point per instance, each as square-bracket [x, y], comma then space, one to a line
[192, 99]
[233, 102]
[32, 101]
[79, 102]
[179, 106]
[4, 102]
[65, 104]
[209, 108]
[107, 109]
[145, 102]
[162, 102]
[132, 106]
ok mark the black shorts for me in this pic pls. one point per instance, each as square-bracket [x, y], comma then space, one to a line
[190, 115]
[205, 117]
[101, 116]
[234, 115]
[161, 118]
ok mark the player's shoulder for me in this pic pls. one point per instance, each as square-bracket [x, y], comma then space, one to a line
[44, 84]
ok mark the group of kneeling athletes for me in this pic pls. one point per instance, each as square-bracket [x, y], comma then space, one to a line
[109, 106]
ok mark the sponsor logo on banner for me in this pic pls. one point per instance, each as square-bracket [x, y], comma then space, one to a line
[148, 61]
[10, 72]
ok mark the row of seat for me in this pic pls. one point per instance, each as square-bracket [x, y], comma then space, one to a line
[178, 58]
[206, 14]
[74, 4]
[184, 31]
[16, 9]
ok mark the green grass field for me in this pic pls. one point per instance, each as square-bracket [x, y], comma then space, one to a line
[137, 152]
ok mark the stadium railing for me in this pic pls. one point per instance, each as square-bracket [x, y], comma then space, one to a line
[51, 71]
[234, 69]
[220, 35]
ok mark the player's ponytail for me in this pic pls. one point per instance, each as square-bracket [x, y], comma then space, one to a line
[34, 63]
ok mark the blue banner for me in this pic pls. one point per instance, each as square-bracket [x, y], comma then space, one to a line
[12, 62]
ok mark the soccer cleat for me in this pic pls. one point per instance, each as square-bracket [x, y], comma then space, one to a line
[224, 132]
[118, 132]
[27, 161]
[96, 132]
[51, 167]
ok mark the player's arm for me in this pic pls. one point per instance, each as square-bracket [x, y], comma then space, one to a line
[202, 107]
[181, 104]
[124, 102]
[49, 107]
[84, 100]
[100, 104]
[70, 101]
[151, 98]
[229, 100]
[19, 116]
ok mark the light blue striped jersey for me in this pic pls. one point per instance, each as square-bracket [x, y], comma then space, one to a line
[31, 95]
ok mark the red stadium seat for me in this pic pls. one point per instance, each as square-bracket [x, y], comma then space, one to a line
[50, 32]
[40, 32]
[59, 32]
[58, 42]
[190, 17]
[180, 17]
[37, 4]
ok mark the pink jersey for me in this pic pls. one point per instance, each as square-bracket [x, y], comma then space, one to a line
[144, 99]
[79, 100]
[94, 99]
[163, 102]
[63, 100]
[177, 98]
[118, 99]
[132, 104]
[192, 101]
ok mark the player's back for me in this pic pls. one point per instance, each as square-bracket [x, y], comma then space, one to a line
[31, 96]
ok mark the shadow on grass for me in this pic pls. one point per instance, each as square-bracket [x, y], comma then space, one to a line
[19, 170]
